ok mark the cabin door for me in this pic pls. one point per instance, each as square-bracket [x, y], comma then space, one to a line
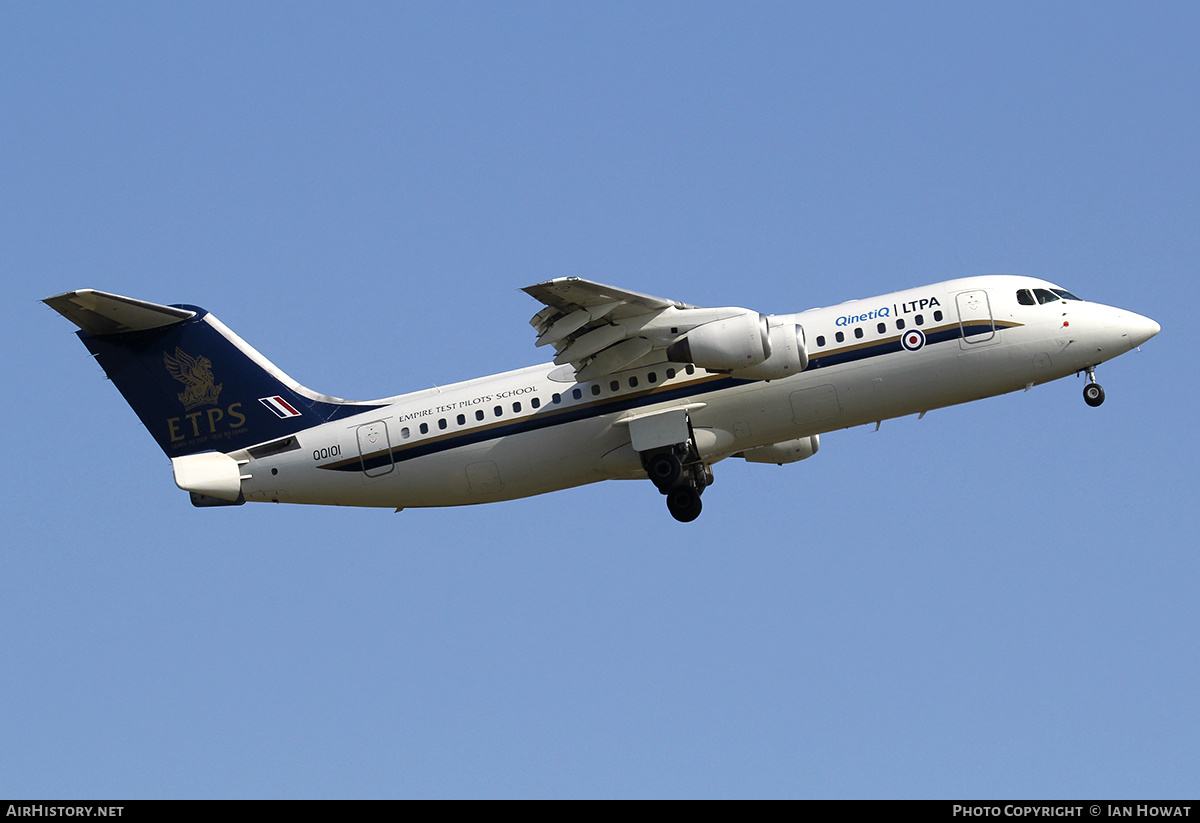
[375, 448]
[975, 317]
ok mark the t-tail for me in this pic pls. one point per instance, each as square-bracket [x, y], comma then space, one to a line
[196, 385]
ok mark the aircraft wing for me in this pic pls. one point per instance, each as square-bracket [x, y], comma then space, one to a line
[602, 329]
[567, 294]
[598, 329]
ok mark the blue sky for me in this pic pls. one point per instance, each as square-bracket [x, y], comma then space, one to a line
[998, 600]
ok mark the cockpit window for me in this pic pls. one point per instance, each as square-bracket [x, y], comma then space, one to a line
[1066, 295]
[1025, 297]
[1045, 295]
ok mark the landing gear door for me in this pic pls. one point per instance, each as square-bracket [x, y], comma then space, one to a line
[655, 431]
[975, 317]
[375, 448]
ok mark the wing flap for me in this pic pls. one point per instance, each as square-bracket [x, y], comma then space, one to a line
[595, 327]
[600, 329]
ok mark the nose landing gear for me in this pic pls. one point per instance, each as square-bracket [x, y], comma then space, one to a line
[1093, 392]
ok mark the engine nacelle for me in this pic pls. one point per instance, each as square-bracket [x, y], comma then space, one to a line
[723, 345]
[789, 451]
[789, 355]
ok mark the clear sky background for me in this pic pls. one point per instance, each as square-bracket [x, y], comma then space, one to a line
[999, 600]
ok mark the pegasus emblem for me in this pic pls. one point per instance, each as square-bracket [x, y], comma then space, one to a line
[196, 374]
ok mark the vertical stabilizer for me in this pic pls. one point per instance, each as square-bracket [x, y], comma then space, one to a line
[195, 385]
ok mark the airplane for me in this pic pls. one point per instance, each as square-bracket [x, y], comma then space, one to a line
[640, 387]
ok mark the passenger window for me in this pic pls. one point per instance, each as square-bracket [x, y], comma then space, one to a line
[919, 320]
[937, 316]
[479, 414]
[839, 337]
[900, 323]
[516, 408]
[498, 410]
[1025, 297]
[462, 420]
[691, 369]
[442, 423]
[858, 334]
[536, 403]
[652, 377]
[882, 327]
[614, 386]
[670, 374]
[424, 428]
[556, 399]
[577, 394]
[405, 433]
[820, 340]
[596, 389]
[633, 382]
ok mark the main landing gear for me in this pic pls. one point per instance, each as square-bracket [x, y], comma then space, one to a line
[680, 474]
[1093, 392]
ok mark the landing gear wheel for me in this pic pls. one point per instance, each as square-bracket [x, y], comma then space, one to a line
[664, 470]
[684, 504]
[1093, 394]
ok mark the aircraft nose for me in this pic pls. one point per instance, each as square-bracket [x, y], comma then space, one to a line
[1140, 329]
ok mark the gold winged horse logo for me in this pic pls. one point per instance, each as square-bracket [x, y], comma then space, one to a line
[196, 374]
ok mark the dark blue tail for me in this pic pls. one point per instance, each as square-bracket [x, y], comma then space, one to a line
[195, 384]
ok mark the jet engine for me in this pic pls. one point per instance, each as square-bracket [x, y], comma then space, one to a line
[723, 345]
[789, 355]
[789, 451]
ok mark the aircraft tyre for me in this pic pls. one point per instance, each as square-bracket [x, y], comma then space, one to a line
[1093, 394]
[684, 503]
[664, 470]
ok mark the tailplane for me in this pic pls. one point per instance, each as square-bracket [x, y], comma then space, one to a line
[195, 385]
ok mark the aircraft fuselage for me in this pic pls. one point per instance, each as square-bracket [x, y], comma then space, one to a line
[536, 430]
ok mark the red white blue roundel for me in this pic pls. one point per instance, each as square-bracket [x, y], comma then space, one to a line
[913, 339]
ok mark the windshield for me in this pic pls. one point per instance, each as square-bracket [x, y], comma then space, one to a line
[1032, 297]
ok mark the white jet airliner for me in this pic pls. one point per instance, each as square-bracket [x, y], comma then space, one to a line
[641, 387]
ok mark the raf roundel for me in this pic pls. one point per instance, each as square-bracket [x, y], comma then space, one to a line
[913, 340]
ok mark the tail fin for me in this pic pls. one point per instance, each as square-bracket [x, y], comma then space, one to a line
[195, 384]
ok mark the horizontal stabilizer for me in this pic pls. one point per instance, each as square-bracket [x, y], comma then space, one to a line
[101, 313]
